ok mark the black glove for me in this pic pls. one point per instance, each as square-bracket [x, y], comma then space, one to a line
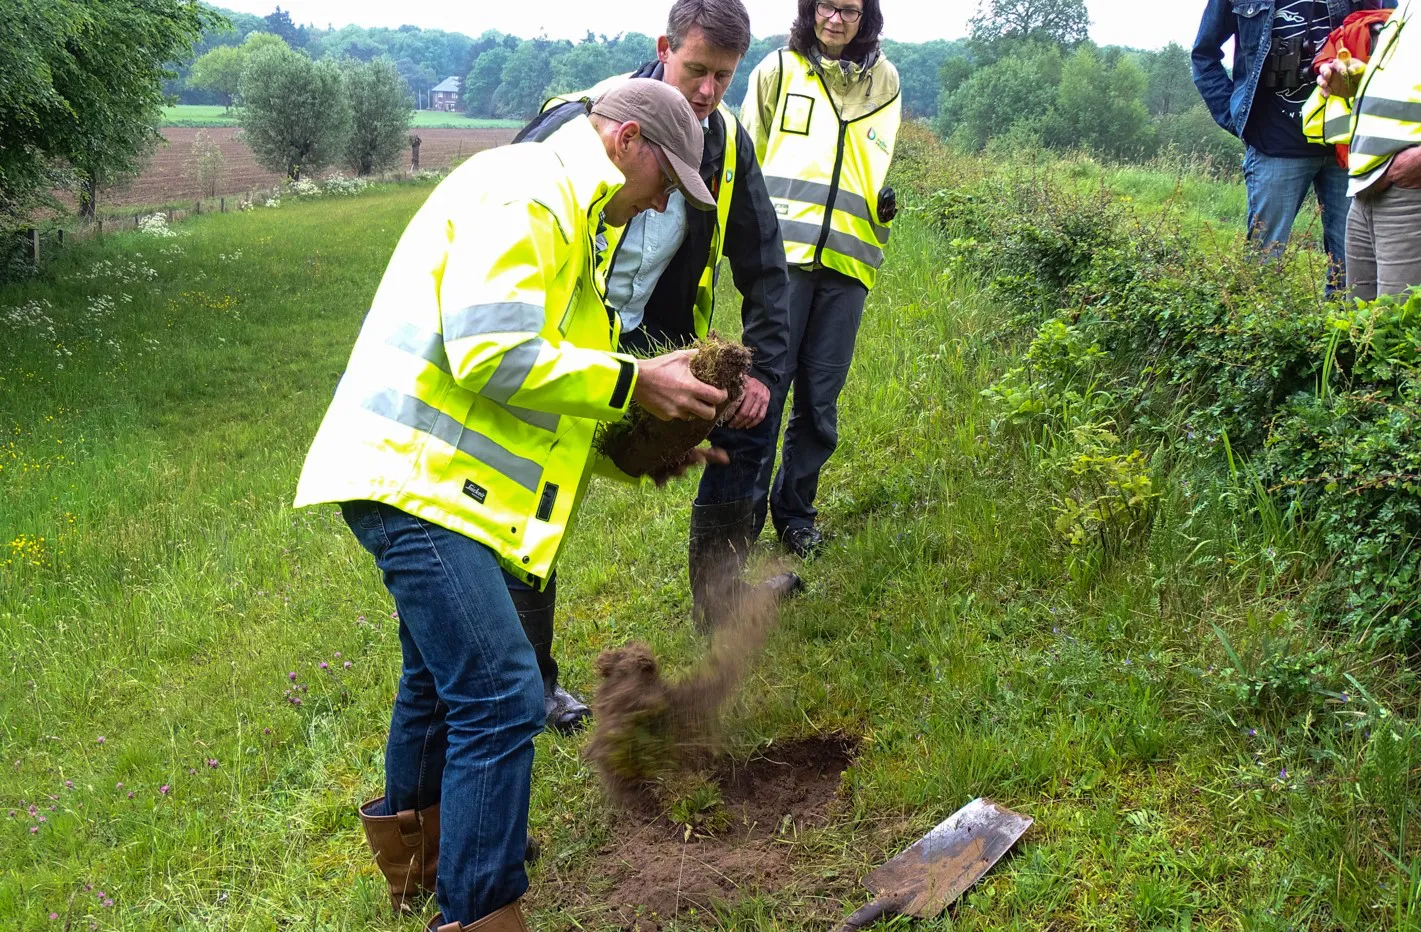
[887, 205]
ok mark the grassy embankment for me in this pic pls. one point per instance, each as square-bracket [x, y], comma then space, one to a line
[157, 594]
[217, 115]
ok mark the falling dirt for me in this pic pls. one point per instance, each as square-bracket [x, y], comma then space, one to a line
[650, 732]
[655, 869]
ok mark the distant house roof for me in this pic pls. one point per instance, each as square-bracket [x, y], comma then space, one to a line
[447, 86]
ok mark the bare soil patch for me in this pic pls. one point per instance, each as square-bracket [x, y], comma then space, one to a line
[172, 175]
[654, 869]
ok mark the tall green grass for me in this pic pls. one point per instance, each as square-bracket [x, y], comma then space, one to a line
[157, 595]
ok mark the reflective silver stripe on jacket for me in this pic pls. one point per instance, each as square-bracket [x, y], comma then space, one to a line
[797, 231]
[816, 192]
[506, 317]
[416, 415]
[430, 347]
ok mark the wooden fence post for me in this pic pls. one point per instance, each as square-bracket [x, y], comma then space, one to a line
[59, 237]
[100, 222]
[197, 207]
[34, 245]
[222, 205]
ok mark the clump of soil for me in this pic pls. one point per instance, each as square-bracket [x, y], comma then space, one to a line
[643, 445]
[655, 868]
[647, 729]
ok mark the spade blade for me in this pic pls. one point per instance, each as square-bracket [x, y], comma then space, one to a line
[940, 866]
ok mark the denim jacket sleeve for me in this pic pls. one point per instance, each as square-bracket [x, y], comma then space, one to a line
[1210, 77]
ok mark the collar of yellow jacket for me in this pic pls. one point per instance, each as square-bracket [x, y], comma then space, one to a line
[593, 177]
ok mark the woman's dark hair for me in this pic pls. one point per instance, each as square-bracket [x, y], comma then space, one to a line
[802, 37]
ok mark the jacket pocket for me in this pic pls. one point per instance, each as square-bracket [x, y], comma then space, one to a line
[1248, 8]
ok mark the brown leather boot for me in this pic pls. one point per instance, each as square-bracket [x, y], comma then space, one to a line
[406, 848]
[507, 919]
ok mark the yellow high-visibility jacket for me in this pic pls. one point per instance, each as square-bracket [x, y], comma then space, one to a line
[723, 186]
[486, 361]
[825, 151]
[1385, 115]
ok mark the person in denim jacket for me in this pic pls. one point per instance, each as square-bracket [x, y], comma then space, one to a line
[1261, 103]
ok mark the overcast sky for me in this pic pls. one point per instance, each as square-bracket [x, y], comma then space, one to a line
[1137, 23]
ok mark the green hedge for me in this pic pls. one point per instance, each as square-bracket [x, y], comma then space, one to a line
[1158, 339]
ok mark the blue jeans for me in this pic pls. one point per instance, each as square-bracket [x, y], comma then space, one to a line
[470, 702]
[1276, 190]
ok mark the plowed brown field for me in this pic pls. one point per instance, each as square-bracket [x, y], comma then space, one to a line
[172, 176]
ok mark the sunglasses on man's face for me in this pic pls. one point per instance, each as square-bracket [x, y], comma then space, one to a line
[667, 175]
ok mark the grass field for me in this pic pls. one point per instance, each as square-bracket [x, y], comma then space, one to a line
[162, 611]
[191, 115]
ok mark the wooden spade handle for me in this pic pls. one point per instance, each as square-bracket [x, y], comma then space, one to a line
[868, 915]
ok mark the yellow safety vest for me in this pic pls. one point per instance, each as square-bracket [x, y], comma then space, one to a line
[1327, 119]
[722, 188]
[1385, 116]
[485, 363]
[1388, 105]
[824, 173]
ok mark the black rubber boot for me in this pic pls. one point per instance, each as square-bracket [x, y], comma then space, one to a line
[721, 537]
[566, 712]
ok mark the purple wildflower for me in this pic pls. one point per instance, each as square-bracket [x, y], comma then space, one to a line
[347, 664]
[266, 731]
[53, 917]
[69, 784]
[212, 762]
[1283, 774]
[108, 903]
[34, 829]
[325, 666]
[102, 739]
[130, 794]
[119, 785]
[164, 790]
[337, 655]
[291, 676]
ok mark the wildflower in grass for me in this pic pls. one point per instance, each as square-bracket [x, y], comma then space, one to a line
[130, 794]
[53, 916]
[69, 784]
[1283, 774]
[337, 655]
[192, 771]
[266, 731]
[108, 903]
[34, 829]
[118, 786]
[212, 762]
[325, 666]
[101, 739]
[347, 664]
[164, 790]
[13, 813]
[291, 676]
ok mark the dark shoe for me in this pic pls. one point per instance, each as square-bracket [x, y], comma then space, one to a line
[406, 849]
[532, 851]
[507, 919]
[567, 714]
[803, 542]
[783, 586]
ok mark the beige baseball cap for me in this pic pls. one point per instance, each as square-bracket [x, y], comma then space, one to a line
[667, 121]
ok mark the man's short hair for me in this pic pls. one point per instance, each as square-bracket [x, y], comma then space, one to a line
[725, 23]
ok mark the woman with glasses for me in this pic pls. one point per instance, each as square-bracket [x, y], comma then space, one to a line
[824, 114]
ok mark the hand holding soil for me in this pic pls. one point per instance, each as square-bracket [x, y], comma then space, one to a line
[648, 443]
[669, 391]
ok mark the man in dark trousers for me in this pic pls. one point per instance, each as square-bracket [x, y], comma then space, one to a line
[1262, 102]
[661, 280]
